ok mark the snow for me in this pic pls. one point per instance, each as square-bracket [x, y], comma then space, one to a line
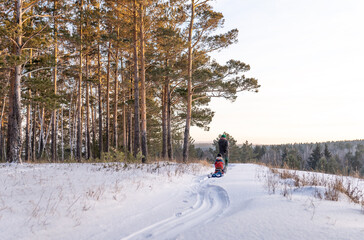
[167, 201]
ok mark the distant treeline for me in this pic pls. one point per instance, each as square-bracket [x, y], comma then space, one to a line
[339, 157]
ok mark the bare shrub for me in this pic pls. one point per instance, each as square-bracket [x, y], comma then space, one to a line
[354, 193]
[180, 170]
[333, 186]
[271, 182]
[332, 192]
[287, 191]
[317, 194]
[96, 194]
[285, 174]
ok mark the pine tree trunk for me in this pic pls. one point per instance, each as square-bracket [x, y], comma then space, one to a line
[169, 127]
[79, 108]
[130, 115]
[54, 128]
[136, 86]
[143, 90]
[34, 131]
[107, 130]
[88, 137]
[164, 122]
[189, 87]
[47, 135]
[14, 119]
[27, 131]
[124, 90]
[100, 103]
[166, 118]
[1, 142]
[116, 89]
[130, 131]
[93, 123]
[41, 134]
[62, 136]
[70, 124]
[54, 136]
[1, 130]
[124, 124]
[74, 138]
[28, 139]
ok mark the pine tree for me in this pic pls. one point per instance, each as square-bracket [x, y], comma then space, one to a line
[23, 36]
[327, 153]
[143, 104]
[206, 79]
[55, 75]
[284, 156]
[136, 147]
[189, 82]
[315, 157]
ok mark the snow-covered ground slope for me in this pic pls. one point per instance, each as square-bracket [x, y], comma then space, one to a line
[166, 201]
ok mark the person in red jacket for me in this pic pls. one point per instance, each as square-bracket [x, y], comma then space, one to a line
[219, 164]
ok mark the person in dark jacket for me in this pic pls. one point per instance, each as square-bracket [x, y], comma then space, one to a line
[224, 149]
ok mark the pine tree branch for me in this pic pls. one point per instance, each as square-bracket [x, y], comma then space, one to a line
[30, 6]
[209, 96]
[13, 41]
[201, 3]
[36, 70]
[41, 16]
[35, 34]
[125, 6]
[199, 37]
[31, 48]
[175, 87]
[198, 98]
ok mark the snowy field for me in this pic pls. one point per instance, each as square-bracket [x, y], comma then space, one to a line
[169, 201]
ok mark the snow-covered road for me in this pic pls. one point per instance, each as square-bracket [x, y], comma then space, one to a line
[211, 201]
[238, 206]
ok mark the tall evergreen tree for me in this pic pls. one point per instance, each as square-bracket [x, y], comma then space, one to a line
[315, 157]
[16, 32]
[327, 153]
[136, 147]
[201, 41]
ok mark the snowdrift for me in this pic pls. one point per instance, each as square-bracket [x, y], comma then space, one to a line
[169, 201]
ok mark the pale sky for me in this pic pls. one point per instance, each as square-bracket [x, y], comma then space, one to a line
[308, 56]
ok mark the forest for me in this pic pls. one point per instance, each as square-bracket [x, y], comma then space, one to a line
[335, 157]
[111, 79]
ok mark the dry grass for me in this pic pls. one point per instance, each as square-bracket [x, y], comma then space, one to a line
[205, 163]
[334, 185]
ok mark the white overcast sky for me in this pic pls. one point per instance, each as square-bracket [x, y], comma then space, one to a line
[308, 56]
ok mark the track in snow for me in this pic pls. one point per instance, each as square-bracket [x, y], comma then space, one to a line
[211, 201]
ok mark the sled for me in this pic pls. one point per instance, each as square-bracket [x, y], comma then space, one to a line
[216, 175]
